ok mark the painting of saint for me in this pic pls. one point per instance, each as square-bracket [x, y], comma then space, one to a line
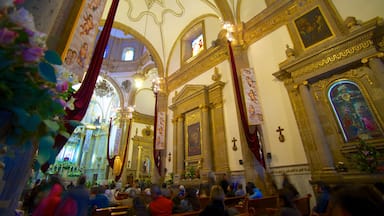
[312, 28]
[194, 147]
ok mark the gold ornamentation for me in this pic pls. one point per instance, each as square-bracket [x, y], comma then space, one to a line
[350, 51]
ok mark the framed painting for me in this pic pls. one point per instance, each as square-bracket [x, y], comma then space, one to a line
[313, 28]
[194, 144]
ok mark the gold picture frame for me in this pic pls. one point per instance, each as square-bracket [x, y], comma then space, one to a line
[313, 28]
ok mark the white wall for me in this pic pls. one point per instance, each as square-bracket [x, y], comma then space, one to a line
[265, 56]
[362, 10]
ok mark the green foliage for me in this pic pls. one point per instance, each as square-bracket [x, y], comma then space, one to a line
[366, 157]
[30, 97]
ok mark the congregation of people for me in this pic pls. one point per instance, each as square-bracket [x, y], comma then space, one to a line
[52, 197]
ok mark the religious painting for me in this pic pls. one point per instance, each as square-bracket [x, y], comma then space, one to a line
[194, 145]
[78, 54]
[312, 28]
[252, 101]
[160, 131]
[353, 113]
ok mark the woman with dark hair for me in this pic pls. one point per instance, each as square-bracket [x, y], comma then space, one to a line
[287, 208]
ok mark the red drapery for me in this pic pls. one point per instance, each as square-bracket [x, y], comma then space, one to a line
[84, 94]
[156, 153]
[251, 136]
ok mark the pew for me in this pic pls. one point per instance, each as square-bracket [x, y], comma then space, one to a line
[237, 202]
[204, 201]
[304, 205]
[260, 206]
[113, 211]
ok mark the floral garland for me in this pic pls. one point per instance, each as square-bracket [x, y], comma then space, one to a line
[366, 157]
[34, 88]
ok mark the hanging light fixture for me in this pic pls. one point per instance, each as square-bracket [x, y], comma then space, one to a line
[138, 78]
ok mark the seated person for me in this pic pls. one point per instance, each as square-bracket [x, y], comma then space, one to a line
[217, 206]
[98, 199]
[322, 199]
[287, 208]
[240, 191]
[159, 204]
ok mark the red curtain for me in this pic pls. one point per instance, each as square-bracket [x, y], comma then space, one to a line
[156, 153]
[251, 136]
[84, 94]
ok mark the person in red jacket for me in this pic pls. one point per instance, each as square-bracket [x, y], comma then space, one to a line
[159, 206]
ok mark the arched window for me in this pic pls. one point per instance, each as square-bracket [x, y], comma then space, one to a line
[128, 54]
[105, 55]
[197, 45]
[352, 111]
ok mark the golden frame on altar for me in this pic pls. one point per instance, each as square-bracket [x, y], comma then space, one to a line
[193, 142]
[313, 28]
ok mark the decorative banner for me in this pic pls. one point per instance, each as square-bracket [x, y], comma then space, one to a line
[87, 140]
[80, 49]
[117, 141]
[160, 131]
[252, 102]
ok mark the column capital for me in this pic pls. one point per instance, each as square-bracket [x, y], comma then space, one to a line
[368, 58]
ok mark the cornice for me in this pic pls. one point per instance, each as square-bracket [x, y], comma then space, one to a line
[276, 15]
[349, 49]
[206, 60]
[143, 119]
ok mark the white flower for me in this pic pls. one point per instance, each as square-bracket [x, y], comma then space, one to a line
[23, 18]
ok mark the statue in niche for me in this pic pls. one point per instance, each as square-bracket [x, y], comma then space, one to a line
[146, 166]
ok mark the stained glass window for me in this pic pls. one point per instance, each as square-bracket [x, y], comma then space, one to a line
[128, 54]
[197, 45]
[352, 111]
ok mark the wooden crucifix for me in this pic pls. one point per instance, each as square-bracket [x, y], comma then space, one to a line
[234, 147]
[281, 136]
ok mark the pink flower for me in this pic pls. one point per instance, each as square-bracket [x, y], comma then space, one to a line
[62, 102]
[62, 86]
[32, 54]
[7, 36]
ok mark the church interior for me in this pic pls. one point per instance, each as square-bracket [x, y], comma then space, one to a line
[251, 90]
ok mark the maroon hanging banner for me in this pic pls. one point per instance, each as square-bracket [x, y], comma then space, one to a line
[84, 94]
[251, 137]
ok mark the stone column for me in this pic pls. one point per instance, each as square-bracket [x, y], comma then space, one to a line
[174, 153]
[325, 156]
[206, 140]
[180, 145]
[138, 162]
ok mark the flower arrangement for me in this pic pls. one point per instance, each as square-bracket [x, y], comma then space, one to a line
[34, 89]
[366, 157]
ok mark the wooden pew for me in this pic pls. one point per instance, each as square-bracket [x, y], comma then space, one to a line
[238, 202]
[204, 201]
[257, 207]
[113, 211]
[304, 205]
[190, 213]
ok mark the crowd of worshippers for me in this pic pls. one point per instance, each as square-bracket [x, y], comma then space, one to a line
[51, 197]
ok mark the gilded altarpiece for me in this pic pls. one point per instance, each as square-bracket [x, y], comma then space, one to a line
[199, 131]
[336, 88]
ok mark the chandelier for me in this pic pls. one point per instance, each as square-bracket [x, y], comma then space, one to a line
[103, 89]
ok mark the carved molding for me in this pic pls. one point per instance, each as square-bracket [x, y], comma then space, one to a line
[292, 169]
[203, 62]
